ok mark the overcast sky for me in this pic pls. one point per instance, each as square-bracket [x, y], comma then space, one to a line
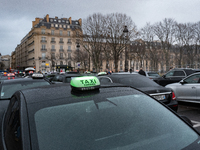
[17, 15]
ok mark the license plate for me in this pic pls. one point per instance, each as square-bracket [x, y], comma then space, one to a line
[159, 97]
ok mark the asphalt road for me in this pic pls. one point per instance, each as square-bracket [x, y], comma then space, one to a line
[191, 111]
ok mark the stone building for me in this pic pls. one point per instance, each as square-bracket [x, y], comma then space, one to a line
[50, 43]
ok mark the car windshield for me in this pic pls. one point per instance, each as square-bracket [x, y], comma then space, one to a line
[109, 123]
[154, 74]
[7, 90]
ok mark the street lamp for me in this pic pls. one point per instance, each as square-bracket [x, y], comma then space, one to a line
[125, 31]
[78, 46]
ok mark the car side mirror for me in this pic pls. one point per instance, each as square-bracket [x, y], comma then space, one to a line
[182, 82]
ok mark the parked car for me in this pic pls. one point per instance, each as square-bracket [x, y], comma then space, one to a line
[163, 94]
[85, 115]
[152, 75]
[63, 78]
[188, 89]
[174, 75]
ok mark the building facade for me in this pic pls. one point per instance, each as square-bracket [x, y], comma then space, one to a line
[51, 42]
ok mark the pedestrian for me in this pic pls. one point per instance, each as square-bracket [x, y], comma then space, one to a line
[142, 72]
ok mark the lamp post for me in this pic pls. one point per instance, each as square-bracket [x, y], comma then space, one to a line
[125, 31]
[78, 46]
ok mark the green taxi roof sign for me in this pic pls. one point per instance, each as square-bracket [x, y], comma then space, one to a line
[85, 83]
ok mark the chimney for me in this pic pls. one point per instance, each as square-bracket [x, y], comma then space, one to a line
[47, 17]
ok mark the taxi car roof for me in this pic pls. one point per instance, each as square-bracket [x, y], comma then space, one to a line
[20, 80]
[55, 91]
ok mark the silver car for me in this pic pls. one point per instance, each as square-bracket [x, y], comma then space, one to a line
[188, 89]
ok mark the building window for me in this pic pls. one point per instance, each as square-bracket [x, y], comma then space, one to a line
[43, 31]
[69, 63]
[43, 55]
[61, 40]
[52, 46]
[61, 62]
[61, 33]
[43, 46]
[51, 20]
[61, 55]
[56, 25]
[52, 32]
[64, 26]
[59, 20]
[60, 26]
[61, 47]
[69, 55]
[43, 39]
[69, 41]
[52, 25]
[53, 40]
[69, 47]
[68, 33]
[53, 55]
[77, 34]
[43, 63]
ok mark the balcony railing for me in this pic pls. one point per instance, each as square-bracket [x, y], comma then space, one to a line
[43, 41]
[69, 42]
[61, 42]
[53, 50]
[43, 49]
[61, 50]
[53, 41]
[69, 50]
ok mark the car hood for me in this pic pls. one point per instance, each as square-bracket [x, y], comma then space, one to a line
[155, 89]
[158, 78]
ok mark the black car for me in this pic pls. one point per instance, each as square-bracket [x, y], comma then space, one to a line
[165, 95]
[174, 75]
[63, 78]
[9, 87]
[89, 116]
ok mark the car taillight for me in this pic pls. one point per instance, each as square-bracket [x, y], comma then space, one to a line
[173, 96]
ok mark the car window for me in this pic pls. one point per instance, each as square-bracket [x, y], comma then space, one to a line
[169, 74]
[118, 122]
[154, 74]
[12, 126]
[179, 73]
[193, 79]
[67, 79]
[58, 78]
[8, 90]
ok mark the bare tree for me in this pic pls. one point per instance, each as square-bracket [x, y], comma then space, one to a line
[80, 55]
[151, 50]
[114, 35]
[165, 32]
[93, 29]
[189, 44]
[197, 42]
